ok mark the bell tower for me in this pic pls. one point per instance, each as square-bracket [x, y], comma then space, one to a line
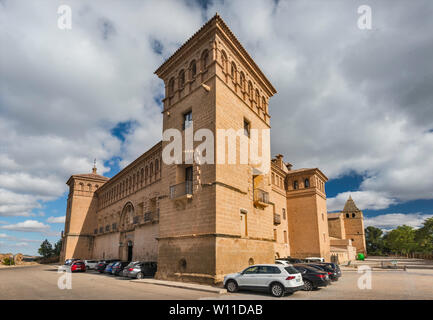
[216, 217]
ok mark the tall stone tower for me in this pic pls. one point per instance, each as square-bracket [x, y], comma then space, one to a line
[307, 213]
[216, 218]
[81, 215]
[354, 225]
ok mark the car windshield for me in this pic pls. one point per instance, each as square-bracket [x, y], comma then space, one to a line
[291, 270]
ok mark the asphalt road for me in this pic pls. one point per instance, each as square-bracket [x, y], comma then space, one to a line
[40, 282]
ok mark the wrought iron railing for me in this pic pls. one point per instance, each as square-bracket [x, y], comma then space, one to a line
[261, 196]
[181, 189]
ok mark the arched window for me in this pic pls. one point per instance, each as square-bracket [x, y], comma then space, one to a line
[156, 166]
[146, 173]
[233, 71]
[181, 79]
[224, 60]
[257, 98]
[307, 183]
[171, 87]
[347, 215]
[242, 80]
[193, 69]
[273, 178]
[295, 184]
[250, 89]
[204, 60]
[264, 104]
[142, 175]
[353, 215]
[90, 187]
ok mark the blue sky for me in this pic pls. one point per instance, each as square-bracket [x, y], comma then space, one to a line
[355, 103]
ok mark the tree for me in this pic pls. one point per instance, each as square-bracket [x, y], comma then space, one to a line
[424, 237]
[374, 241]
[57, 248]
[402, 240]
[46, 249]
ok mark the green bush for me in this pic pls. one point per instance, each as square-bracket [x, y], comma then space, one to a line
[8, 261]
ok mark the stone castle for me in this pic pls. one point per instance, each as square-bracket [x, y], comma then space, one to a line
[202, 221]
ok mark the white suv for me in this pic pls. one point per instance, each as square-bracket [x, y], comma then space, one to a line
[278, 279]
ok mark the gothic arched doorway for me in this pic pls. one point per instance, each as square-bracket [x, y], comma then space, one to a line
[130, 247]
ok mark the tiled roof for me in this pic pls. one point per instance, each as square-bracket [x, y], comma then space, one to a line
[350, 206]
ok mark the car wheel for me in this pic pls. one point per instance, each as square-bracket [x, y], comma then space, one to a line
[308, 286]
[231, 286]
[277, 290]
[140, 275]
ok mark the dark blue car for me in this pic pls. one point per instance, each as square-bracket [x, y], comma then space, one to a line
[109, 267]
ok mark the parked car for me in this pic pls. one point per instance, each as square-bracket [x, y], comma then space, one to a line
[275, 278]
[68, 262]
[283, 262]
[118, 267]
[109, 267]
[312, 277]
[124, 272]
[314, 259]
[292, 260]
[334, 267]
[102, 264]
[90, 264]
[78, 266]
[141, 269]
[333, 275]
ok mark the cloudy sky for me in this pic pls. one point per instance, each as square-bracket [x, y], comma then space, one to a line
[357, 103]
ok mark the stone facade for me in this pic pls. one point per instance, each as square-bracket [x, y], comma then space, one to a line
[201, 221]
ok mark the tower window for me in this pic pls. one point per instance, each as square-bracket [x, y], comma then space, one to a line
[347, 215]
[307, 183]
[246, 128]
[242, 80]
[171, 87]
[284, 213]
[233, 71]
[295, 184]
[187, 119]
[353, 215]
[204, 59]
[193, 68]
[181, 78]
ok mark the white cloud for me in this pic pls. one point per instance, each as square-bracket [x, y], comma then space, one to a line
[56, 219]
[363, 200]
[27, 226]
[392, 220]
[342, 103]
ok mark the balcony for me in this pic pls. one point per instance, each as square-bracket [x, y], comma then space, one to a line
[181, 191]
[261, 198]
[151, 216]
[277, 219]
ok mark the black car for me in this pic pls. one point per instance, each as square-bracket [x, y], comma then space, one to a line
[334, 267]
[326, 268]
[103, 264]
[118, 267]
[312, 277]
[292, 260]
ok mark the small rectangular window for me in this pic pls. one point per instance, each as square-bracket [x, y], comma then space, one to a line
[246, 128]
[187, 120]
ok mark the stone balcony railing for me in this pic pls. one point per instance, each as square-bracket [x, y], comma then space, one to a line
[261, 198]
[181, 190]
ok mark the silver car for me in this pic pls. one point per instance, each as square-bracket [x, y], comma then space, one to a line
[275, 278]
[90, 264]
